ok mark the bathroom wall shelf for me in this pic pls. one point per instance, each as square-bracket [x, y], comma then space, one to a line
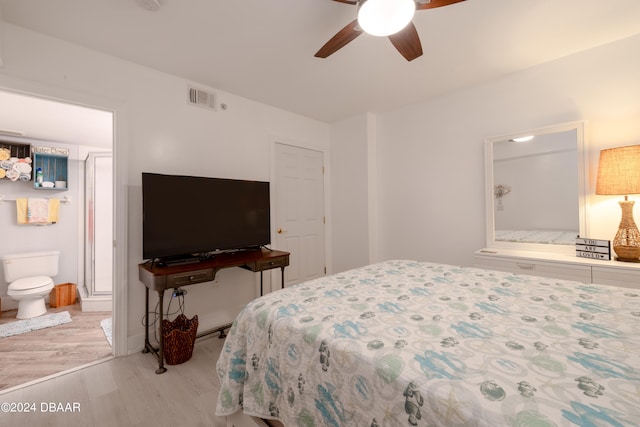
[54, 164]
[16, 150]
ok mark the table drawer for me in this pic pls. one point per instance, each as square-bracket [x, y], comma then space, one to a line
[266, 264]
[189, 278]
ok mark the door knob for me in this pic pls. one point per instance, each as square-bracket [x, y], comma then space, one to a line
[281, 230]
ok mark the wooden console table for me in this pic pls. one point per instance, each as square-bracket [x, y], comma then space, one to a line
[160, 278]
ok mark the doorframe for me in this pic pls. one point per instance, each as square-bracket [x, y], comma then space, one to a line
[273, 140]
[119, 111]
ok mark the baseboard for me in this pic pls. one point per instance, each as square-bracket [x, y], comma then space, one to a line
[94, 302]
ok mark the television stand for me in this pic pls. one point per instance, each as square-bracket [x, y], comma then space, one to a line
[160, 278]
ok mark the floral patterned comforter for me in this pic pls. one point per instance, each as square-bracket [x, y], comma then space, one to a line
[406, 343]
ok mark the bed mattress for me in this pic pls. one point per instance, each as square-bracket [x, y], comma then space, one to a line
[406, 343]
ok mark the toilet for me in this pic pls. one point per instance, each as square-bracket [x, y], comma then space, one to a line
[29, 276]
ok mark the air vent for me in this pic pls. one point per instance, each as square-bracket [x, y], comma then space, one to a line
[151, 5]
[11, 132]
[201, 98]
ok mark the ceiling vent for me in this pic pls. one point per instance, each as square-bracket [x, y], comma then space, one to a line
[201, 98]
[151, 5]
[11, 132]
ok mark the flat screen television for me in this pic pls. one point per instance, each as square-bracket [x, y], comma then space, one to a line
[188, 216]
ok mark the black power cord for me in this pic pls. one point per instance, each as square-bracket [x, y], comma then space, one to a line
[177, 293]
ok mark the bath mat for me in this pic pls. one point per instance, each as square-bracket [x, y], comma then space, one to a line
[106, 327]
[33, 324]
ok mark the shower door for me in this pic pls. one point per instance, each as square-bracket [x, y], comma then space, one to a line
[99, 224]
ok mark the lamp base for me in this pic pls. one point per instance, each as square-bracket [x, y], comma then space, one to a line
[626, 260]
[626, 244]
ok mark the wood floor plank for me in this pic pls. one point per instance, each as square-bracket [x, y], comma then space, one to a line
[126, 391]
[123, 391]
[37, 354]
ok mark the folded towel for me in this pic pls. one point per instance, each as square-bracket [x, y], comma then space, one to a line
[22, 167]
[37, 211]
[12, 174]
[54, 208]
[21, 210]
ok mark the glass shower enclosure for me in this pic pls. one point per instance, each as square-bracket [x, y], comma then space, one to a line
[99, 226]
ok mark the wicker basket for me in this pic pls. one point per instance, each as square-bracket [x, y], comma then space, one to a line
[178, 337]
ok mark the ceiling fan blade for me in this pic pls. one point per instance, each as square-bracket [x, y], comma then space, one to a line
[340, 40]
[407, 42]
[433, 3]
[347, 1]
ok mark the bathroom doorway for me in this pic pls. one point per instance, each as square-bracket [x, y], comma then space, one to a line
[85, 130]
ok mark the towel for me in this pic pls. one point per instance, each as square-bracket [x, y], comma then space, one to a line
[37, 210]
[23, 212]
[54, 208]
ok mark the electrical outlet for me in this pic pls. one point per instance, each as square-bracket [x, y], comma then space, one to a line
[179, 292]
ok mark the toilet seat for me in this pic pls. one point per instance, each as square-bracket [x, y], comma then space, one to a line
[29, 285]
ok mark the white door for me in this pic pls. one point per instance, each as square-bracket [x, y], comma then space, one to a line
[299, 211]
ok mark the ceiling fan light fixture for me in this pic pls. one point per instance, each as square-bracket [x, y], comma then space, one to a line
[385, 17]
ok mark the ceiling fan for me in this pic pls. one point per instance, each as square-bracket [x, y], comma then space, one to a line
[406, 41]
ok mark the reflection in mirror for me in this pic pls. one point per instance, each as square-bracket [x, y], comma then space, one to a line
[535, 191]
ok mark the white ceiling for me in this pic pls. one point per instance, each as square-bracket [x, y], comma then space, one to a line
[263, 49]
[42, 119]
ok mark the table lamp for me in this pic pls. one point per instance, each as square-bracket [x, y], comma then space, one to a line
[619, 174]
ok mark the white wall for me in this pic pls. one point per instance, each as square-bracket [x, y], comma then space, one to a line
[157, 131]
[431, 180]
[349, 190]
[1, 38]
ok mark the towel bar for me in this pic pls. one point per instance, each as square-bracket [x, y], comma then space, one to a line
[66, 200]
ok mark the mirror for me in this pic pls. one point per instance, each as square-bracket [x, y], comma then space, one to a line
[536, 189]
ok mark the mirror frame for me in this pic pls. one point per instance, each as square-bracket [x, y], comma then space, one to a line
[583, 187]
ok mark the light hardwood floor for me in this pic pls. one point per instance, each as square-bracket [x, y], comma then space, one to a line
[37, 354]
[125, 391]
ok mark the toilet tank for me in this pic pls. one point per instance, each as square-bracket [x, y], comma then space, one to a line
[17, 266]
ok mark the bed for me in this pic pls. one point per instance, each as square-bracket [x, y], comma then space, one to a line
[556, 237]
[406, 343]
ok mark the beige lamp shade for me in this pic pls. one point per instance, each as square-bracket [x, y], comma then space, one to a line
[619, 171]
